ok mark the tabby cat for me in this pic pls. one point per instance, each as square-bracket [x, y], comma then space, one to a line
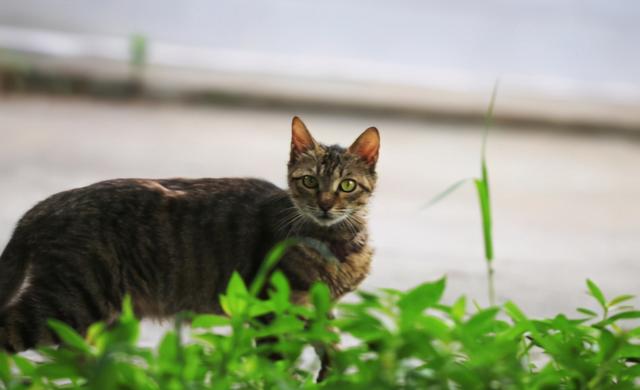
[173, 244]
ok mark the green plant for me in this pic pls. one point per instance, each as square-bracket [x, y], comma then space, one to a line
[400, 340]
[484, 198]
[138, 51]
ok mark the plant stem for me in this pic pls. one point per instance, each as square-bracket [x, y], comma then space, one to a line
[492, 292]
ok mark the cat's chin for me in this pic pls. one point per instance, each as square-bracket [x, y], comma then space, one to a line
[328, 221]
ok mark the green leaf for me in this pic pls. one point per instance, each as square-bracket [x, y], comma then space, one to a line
[625, 315]
[482, 321]
[434, 326]
[68, 335]
[26, 367]
[260, 308]
[56, 370]
[236, 301]
[95, 331]
[514, 312]
[607, 344]
[586, 311]
[127, 315]
[168, 349]
[629, 351]
[420, 298]
[5, 368]
[597, 293]
[236, 285]
[459, 309]
[446, 192]
[619, 299]
[482, 187]
[321, 298]
[209, 321]
[281, 294]
[488, 119]
[271, 260]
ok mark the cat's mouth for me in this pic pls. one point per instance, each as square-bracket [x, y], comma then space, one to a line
[325, 218]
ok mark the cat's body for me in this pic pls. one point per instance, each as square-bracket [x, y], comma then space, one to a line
[172, 245]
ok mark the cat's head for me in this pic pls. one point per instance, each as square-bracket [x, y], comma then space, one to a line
[330, 184]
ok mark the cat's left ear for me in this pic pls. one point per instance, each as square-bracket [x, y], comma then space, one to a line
[301, 139]
[367, 146]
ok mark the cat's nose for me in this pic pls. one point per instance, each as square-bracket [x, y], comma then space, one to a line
[325, 206]
[325, 202]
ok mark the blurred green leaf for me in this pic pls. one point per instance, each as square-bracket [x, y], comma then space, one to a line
[209, 321]
[514, 312]
[619, 299]
[586, 311]
[597, 293]
[446, 192]
[25, 366]
[459, 309]
[271, 260]
[482, 186]
[625, 315]
[236, 300]
[420, 298]
[68, 335]
[321, 298]
[5, 368]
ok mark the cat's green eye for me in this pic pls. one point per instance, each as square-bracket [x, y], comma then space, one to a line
[348, 185]
[309, 181]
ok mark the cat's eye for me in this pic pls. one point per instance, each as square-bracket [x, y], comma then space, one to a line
[347, 185]
[309, 181]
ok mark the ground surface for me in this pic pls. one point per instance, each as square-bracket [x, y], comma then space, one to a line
[566, 205]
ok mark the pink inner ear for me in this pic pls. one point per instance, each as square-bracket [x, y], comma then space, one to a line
[301, 144]
[301, 139]
[367, 146]
[368, 152]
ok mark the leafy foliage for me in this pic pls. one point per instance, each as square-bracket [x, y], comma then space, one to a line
[390, 339]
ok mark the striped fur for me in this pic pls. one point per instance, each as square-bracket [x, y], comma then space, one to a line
[173, 245]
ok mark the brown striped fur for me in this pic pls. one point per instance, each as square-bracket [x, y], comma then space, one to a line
[173, 244]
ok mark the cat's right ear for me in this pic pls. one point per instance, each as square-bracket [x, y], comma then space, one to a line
[301, 139]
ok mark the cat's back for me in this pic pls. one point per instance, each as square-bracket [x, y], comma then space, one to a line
[147, 198]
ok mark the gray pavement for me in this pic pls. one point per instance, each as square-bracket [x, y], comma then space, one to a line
[566, 205]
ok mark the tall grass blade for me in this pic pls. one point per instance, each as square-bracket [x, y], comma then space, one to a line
[482, 187]
[484, 196]
[488, 119]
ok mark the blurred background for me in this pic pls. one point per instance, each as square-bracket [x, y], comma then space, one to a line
[93, 90]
